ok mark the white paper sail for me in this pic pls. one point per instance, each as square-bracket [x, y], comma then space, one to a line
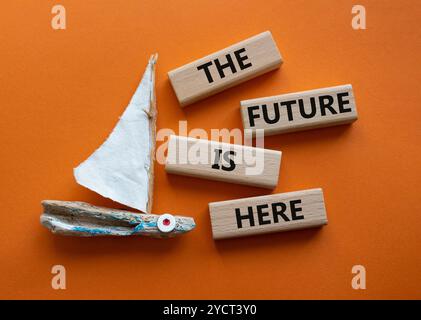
[122, 168]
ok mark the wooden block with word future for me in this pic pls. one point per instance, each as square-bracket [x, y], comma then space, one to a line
[226, 68]
[267, 214]
[223, 161]
[300, 111]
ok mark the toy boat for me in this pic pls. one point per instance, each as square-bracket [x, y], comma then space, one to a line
[120, 169]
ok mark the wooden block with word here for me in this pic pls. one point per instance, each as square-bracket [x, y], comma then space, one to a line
[226, 68]
[223, 161]
[268, 214]
[300, 111]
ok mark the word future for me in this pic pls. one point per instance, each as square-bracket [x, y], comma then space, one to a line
[223, 161]
[266, 214]
[301, 110]
[226, 68]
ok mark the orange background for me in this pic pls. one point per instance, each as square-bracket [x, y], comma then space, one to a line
[63, 91]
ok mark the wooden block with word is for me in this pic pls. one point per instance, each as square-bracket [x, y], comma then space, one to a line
[226, 68]
[267, 214]
[223, 162]
[300, 111]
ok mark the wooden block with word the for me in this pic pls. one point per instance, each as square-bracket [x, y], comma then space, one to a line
[226, 68]
[300, 111]
[268, 214]
[223, 161]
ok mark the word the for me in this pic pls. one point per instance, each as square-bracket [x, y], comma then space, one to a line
[225, 68]
[278, 212]
[241, 61]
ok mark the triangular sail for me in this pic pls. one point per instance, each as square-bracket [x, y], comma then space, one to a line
[122, 168]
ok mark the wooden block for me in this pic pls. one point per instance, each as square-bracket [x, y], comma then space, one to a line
[300, 111]
[223, 161]
[226, 68]
[267, 214]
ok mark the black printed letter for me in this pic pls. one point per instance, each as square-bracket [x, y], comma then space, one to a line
[289, 104]
[220, 67]
[266, 116]
[261, 214]
[342, 103]
[252, 116]
[248, 216]
[241, 59]
[303, 111]
[279, 212]
[205, 67]
[326, 105]
[294, 210]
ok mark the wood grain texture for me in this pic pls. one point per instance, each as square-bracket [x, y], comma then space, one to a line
[301, 110]
[249, 58]
[223, 162]
[268, 214]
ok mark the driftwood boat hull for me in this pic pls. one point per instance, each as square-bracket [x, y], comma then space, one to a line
[81, 219]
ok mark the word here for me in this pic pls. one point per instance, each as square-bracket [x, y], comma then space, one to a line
[226, 68]
[223, 161]
[300, 111]
[267, 214]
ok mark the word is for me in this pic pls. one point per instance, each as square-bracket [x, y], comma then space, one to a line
[223, 162]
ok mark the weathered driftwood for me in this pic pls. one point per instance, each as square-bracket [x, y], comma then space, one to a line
[120, 169]
[72, 218]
